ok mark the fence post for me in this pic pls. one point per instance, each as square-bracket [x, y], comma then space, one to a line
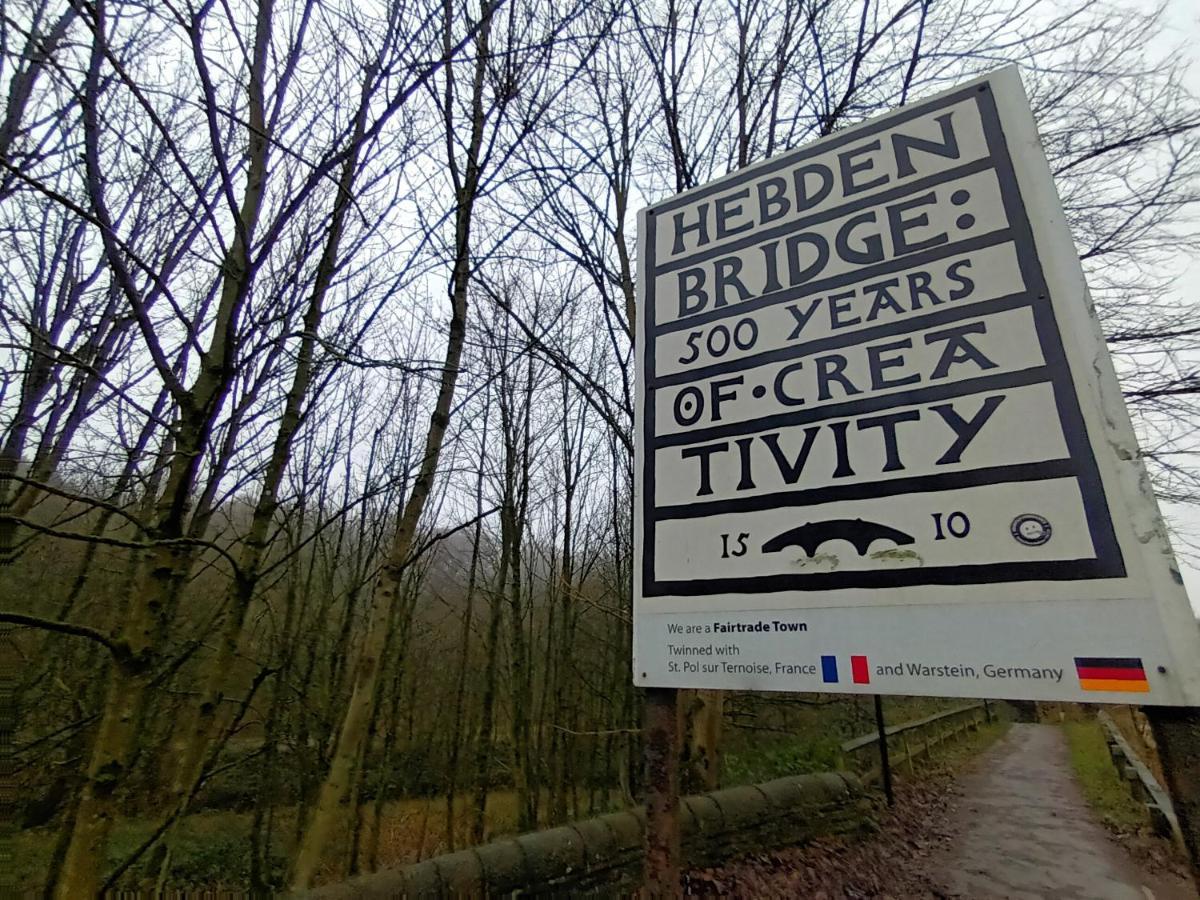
[885, 766]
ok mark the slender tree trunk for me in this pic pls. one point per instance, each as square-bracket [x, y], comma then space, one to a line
[145, 625]
[385, 766]
[194, 735]
[464, 641]
[396, 652]
[524, 762]
[265, 797]
[518, 685]
[483, 744]
[388, 583]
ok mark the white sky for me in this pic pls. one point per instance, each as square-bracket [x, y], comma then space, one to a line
[1183, 19]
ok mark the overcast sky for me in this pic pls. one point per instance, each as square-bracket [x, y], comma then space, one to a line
[1184, 21]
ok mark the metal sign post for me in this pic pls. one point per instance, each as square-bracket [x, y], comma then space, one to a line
[661, 742]
[885, 765]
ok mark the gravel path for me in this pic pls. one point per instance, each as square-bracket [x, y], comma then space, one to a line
[1013, 825]
[1023, 829]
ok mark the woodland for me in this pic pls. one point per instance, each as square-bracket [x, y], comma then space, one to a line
[316, 392]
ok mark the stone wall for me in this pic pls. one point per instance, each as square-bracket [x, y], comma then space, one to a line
[604, 854]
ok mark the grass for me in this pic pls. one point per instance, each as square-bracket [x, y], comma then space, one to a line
[776, 758]
[1106, 793]
[211, 849]
[764, 740]
[953, 754]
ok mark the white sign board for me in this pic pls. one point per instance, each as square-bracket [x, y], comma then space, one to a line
[881, 447]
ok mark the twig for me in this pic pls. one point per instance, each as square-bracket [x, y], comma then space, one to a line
[596, 733]
[120, 651]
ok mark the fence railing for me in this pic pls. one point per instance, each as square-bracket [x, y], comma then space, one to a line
[1141, 781]
[909, 741]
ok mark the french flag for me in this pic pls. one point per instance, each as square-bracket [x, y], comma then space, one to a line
[860, 670]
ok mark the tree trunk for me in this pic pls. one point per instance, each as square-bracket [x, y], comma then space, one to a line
[483, 744]
[389, 580]
[464, 641]
[145, 625]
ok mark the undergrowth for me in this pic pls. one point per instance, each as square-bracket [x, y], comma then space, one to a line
[778, 758]
[1102, 785]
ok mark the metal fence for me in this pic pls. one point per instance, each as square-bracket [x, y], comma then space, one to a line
[1141, 782]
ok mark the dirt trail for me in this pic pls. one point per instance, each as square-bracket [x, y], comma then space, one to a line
[1023, 830]
[1012, 823]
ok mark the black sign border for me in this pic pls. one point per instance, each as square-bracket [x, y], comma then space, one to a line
[1108, 562]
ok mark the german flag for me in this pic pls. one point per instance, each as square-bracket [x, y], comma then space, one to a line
[1104, 673]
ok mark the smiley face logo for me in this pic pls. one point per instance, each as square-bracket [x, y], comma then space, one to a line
[1031, 529]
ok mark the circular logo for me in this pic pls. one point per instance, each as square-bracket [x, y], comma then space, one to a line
[1031, 529]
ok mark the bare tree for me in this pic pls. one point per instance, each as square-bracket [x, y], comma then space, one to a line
[316, 380]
